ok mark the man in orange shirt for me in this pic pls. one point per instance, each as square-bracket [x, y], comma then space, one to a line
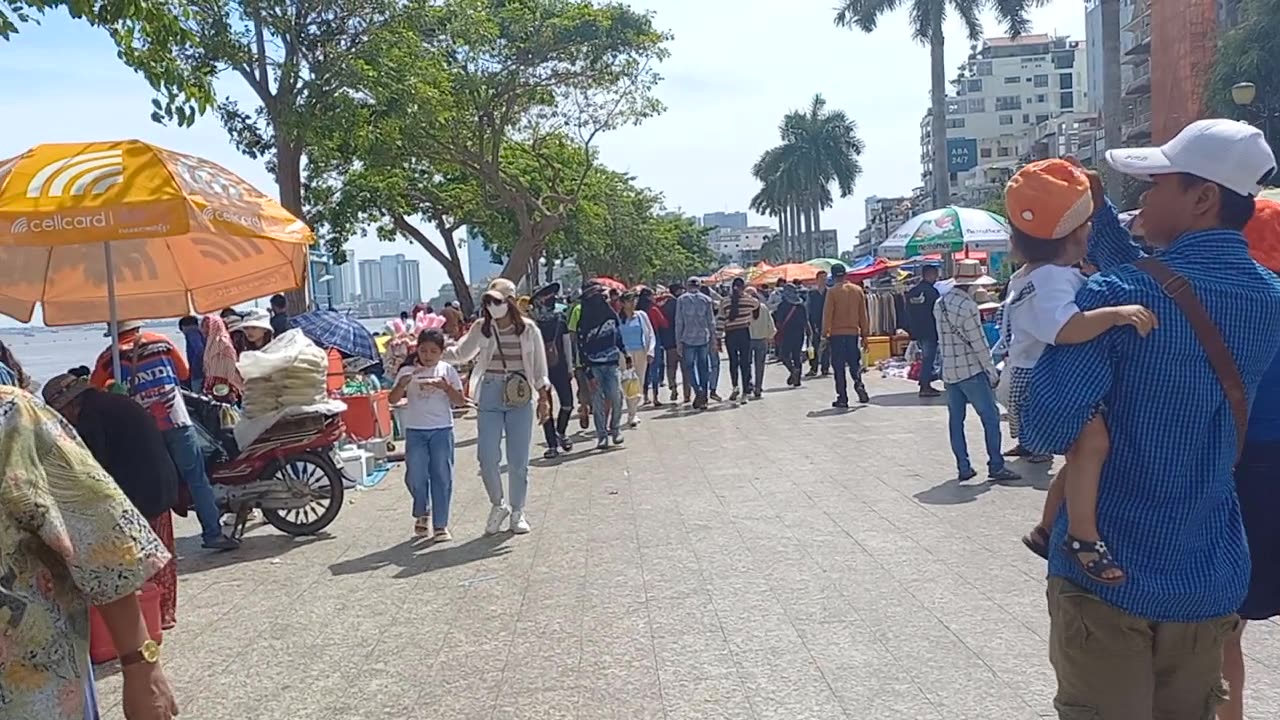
[844, 321]
[152, 371]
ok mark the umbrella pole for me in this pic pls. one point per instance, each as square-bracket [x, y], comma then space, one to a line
[111, 308]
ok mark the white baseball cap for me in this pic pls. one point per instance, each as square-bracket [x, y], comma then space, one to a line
[1230, 153]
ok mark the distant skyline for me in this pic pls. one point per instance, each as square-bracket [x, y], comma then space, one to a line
[735, 69]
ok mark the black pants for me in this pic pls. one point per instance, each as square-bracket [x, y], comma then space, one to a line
[845, 354]
[791, 353]
[554, 429]
[821, 350]
[738, 343]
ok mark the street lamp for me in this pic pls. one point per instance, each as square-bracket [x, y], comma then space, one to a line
[1243, 94]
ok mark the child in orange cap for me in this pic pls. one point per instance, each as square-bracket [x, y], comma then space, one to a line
[1050, 206]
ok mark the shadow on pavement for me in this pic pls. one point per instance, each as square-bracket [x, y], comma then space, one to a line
[908, 399]
[579, 452]
[417, 556]
[952, 492]
[193, 559]
[834, 412]
[1034, 475]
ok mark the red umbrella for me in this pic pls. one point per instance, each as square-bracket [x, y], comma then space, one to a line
[611, 284]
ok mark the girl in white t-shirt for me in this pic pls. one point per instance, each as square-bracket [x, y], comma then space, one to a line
[1050, 205]
[433, 388]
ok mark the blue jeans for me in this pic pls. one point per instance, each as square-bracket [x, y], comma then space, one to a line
[713, 368]
[928, 361]
[428, 459]
[606, 387]
[653, 376]
[696, 368]
[184, 448]
[975, 391]
[845, 357]
[494, 420]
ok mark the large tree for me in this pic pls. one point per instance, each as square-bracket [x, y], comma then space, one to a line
[487, 80]
[146, 35]
[927, 20]
[819, 147]
[1250, 53]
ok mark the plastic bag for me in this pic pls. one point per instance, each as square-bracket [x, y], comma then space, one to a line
[630, 383]
[289, 372]
[913, 352]
[292, 349]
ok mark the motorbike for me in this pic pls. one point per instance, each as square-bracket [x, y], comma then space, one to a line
[291, 472]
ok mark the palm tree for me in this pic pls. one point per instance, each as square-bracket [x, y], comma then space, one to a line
[819, 147]
[927, 18]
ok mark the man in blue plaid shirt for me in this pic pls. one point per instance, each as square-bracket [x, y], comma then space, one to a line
[1152, 647]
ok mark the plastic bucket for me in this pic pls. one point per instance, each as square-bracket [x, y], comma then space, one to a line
[101, 648]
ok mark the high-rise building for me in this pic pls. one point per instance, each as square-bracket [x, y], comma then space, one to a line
[370, 281]
[347, 285]
[320, 277]
[1135, 59]
[1183, 39]
[1004, 91]
[389, 269]
[727, 220]
[410, 283]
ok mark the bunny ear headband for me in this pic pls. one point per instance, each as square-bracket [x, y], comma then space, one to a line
[429, 321]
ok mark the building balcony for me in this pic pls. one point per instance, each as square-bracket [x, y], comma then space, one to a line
[1140, 85]
[1139, 46]
[1139, 130]
[1141, 14]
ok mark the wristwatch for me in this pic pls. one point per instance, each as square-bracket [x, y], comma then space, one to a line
[149, 653]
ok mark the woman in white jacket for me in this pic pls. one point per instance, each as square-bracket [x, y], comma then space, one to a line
[639, 340]
[510, 372]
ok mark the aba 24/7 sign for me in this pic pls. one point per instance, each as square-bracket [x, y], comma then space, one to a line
[962, 154]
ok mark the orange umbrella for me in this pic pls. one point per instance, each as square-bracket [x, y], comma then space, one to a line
[126, 230]
[789, 272]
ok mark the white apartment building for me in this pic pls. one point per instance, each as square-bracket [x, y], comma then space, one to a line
[741, 246]
[1005, 90]
[884, 215]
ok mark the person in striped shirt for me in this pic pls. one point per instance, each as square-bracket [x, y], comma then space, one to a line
[737, 313]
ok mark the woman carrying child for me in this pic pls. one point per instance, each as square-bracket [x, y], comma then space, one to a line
[1050, 206]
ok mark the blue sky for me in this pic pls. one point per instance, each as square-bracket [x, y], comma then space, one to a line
[736, 67]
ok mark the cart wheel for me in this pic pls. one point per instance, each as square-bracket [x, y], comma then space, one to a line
[323, 481]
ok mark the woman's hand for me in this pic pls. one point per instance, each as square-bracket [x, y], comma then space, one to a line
[544, 409]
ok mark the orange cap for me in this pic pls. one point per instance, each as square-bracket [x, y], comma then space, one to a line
[1048, 199]
[1263, 233]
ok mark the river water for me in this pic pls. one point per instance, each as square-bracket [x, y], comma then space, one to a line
[45, 352]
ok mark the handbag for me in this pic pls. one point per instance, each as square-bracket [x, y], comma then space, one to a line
[1179, 290]
[516, 390]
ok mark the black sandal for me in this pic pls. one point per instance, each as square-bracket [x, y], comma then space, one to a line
[1101, 562]
[1037, 541]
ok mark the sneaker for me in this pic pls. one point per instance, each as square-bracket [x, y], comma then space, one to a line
[757, 396]
[519, 525]
[1004, 475]
[733, 396]
[863, 397]
[221, 543]
[840, 404]
[967, 475]
[551, 454]
[496, 517]
[617, 438]
[658, 403]
[716, 397]
[928, 391]
[442, 535]
[1039, 459]
[422, 526]
[566, 444]
[602, 443]
[811, 374]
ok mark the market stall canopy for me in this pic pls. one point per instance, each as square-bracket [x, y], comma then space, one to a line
[612, 284]
[758, 268]
[332, 329]
[726, 273]
[179, 233]
[823, 264]
[947, 230]
[789, 272]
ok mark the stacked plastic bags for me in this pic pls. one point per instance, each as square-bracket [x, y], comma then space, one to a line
[289, 372]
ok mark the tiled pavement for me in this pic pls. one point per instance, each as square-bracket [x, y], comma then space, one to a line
[769, 561]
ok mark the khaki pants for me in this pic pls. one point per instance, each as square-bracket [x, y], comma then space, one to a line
[1115, 666]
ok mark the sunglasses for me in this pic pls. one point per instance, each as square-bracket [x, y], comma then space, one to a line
[491, 300]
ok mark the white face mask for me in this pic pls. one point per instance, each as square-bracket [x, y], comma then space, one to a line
[497, 312]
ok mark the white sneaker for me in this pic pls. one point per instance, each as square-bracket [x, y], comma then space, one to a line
[519, 525]
[496, 517]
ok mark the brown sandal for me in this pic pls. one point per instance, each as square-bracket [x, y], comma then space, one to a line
[1037, 541]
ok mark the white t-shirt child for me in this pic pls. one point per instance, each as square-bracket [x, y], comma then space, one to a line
[1040, 304]
[428, 406]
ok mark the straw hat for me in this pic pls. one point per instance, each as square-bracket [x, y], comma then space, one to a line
[124, 327]
[969, 272]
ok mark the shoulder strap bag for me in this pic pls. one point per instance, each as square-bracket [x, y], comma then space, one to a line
[1224, 366]
[516, 390]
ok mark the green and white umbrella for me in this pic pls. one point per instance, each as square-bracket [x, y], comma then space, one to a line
[947, 230]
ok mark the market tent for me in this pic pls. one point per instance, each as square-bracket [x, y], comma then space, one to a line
[789, 272]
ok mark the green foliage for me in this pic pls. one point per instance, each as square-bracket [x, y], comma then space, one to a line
[1250, 52]
[865, 15]
[996, 205]
[147, 34]
[492, 87]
